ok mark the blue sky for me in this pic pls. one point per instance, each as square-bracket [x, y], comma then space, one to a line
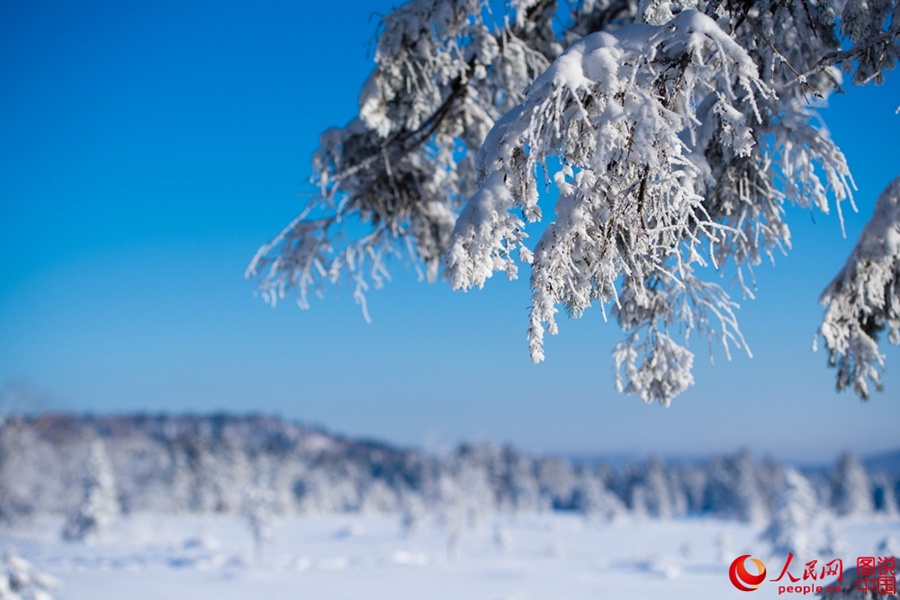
[148, 149]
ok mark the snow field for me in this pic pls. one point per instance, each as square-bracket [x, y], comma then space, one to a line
[552, 556]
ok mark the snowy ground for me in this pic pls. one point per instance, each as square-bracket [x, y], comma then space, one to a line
[360, 557]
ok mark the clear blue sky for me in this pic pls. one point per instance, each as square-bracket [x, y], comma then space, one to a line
[148, 149]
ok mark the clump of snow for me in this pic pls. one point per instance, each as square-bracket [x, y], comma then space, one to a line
[19, 580]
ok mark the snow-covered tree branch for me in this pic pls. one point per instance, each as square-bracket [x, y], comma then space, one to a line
[402, 168]
[864, 299]
[674, 133]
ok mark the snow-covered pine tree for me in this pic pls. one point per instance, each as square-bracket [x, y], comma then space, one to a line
[796, 510]
[735, 490]
[259, 510]
[596, 501]
[33, 476]
[651, 492]
[557, 482]
[14, 441]
[850, 488]
[515, 481]
[749, 494]
[885, 499]
[99, 503]
[674, 131]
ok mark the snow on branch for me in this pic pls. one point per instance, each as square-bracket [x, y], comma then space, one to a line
[675, 138]
[873, 27]
[649, 362]
[618, 110]
[864, 299]
[390, 181]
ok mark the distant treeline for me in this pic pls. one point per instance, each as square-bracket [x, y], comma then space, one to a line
[206, 464]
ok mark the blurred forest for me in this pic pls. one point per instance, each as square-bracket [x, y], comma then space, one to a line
[54, 463]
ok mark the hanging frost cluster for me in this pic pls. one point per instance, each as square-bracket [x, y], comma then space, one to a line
[674, 132]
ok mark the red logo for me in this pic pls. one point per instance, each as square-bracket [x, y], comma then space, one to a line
[741, 578]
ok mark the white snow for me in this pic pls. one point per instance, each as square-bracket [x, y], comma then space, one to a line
[541, 557]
